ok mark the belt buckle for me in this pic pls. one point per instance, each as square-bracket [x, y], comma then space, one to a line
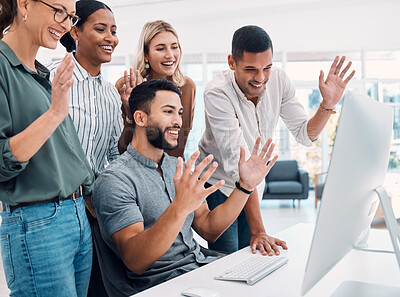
[77, 194]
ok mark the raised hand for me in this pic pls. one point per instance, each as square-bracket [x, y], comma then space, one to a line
[189, 188]
[125, 85]
[333, 87]
[254, 170]
[61, 87]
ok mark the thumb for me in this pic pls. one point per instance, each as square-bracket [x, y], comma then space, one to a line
[242, 156]
[321, 77]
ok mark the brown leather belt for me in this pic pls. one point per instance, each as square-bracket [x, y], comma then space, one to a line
[75, 195]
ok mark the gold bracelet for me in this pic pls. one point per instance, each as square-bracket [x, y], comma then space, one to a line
[326, 110]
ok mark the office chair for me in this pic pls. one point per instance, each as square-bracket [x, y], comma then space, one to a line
[286, 181]
[318, 187]
[113, 270]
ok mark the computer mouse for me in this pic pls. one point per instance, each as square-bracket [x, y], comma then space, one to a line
[200, 292]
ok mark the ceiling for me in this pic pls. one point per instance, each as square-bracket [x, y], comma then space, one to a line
[128, 3]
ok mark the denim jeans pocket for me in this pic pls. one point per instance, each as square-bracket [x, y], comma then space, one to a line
[39, 215]
[6, 257]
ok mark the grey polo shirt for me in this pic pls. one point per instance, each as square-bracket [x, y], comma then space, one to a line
[131, 190]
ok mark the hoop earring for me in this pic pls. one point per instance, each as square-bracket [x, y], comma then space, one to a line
[147, 65]
[25, 18]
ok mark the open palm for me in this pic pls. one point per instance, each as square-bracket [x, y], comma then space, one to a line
[333, 87]
[125, 85]
[254, 170]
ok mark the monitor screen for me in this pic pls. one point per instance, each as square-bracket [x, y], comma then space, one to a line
[358, 165]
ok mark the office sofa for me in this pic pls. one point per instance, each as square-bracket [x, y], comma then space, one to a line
[286, 181]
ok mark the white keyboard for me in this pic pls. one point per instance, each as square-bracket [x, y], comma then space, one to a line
[253, 269]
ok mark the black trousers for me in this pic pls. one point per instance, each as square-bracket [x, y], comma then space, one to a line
[96, 285]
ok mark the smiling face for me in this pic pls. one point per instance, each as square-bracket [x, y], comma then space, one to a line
[163, 55]
[165, 120]
[42, 28]
[97, 38]
[252, 72]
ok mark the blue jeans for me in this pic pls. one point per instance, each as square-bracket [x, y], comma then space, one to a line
[47, 249]
[237, 236]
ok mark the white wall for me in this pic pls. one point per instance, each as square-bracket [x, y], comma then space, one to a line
[294, 25]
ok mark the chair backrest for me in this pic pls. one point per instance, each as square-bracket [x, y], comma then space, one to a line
[113, 270]
[283, 170]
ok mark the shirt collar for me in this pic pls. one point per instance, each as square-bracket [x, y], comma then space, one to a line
[14, 61]
[81, 74]
[142, 159]
[9, 54]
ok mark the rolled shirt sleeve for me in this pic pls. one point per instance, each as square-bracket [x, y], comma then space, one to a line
[59, 167]
[10, 167]
[292, 112]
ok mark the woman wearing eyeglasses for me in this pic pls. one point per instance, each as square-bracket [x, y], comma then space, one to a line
[94, 103]
[46, 244]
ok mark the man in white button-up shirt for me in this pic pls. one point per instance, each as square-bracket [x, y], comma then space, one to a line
[246, 102]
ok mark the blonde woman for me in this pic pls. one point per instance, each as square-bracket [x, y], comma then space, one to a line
[159, 55]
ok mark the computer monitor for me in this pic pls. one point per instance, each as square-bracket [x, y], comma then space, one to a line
[358, 166]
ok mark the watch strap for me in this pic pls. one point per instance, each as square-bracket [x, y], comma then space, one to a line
[326, 110]
[243, 189]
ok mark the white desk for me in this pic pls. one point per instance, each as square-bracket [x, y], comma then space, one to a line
[378, 268]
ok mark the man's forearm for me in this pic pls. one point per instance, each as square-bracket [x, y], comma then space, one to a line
[316, 124]
[142, 250]
[253, 214]
[220, 218]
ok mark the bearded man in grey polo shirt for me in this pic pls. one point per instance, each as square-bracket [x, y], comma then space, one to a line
[244, 103]
[147, 202]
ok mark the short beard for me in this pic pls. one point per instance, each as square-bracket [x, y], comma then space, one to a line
[156, 136]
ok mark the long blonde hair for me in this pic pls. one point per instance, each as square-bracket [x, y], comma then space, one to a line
[150, 30]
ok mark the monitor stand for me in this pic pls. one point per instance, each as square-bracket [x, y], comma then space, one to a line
[353, 288]
[391, 222]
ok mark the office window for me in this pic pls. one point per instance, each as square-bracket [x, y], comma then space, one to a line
[382, 64]
[377, 75]
[193, 70]
[214, 68]
[307, 66]
[314, 159]
[112, 72]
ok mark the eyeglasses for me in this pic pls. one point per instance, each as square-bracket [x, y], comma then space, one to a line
[60, 15]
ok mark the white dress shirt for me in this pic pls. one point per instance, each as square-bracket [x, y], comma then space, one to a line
[233, 121]
[95, 108]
